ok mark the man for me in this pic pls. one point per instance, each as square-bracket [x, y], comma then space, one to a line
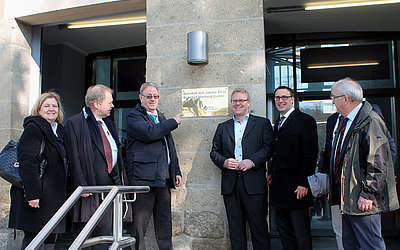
[241, 147]
[152, 161]
[361, 174]
[330, 126]
[93, 150]
[295, 152]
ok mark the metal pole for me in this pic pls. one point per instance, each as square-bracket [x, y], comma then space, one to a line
[117, 218]
[84, 234]
[57, 217]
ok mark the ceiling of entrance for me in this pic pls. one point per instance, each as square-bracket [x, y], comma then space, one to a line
[92, 40]
[371, 18]
[368, 18]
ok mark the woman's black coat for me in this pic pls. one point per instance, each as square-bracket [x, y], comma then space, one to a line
[51, 188]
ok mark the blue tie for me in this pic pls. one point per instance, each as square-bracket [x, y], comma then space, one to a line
[154, 118]
[280, 122]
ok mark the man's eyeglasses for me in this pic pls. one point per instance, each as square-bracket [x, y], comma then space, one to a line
[151, 96]
[333, 97]
[284, 97]
[239, 101]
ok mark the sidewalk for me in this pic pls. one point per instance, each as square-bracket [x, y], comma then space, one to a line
[319, 243]
[329, 243]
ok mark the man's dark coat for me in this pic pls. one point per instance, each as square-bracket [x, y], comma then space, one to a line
[146, 152]
[295, 152]
[87, 160]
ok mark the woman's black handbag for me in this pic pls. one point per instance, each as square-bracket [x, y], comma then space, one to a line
[9, 166]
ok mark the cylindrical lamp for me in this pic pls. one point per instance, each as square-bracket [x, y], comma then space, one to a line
[197, 47]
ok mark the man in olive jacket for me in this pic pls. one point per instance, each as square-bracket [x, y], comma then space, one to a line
[152, 161]
[361, 175]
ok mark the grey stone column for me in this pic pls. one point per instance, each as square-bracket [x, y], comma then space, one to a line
[236, 59]
[15, 62]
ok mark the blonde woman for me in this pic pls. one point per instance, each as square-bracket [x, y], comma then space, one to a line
[34, 205]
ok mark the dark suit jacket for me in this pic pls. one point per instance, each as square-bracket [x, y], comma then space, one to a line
[87, 160]
[256, 144]
[295, 152]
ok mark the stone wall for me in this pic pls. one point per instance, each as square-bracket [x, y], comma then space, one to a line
[236, 59]
[14, 102]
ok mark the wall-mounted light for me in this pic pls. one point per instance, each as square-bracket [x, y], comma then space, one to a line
[197, 47]
[102, 23]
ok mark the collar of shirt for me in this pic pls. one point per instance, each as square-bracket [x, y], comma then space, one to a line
[54, 128]
[353, 113]
[286, 115]
[150, 114]
[244, 118]
[84, 113]
[99, 119]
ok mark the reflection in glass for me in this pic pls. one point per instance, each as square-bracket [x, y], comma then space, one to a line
[326, 86]
[102, 71]
[320, 110]
[129, 76]
[279, 68]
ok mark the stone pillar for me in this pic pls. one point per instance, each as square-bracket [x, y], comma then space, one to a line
[236, 59]
[15, 58]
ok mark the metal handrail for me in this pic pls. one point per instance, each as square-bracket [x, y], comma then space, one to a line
[115, 194]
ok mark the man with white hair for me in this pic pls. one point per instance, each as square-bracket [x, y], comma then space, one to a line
[361, 174]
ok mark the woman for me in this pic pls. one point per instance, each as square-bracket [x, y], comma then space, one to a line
[33, 206]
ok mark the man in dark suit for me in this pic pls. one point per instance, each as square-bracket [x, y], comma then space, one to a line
[93, 150]
[241, 147]
[152, 161]
[295, 152]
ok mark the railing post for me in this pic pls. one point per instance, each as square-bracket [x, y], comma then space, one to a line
[117, 223]
[117, 218]
[94, 220]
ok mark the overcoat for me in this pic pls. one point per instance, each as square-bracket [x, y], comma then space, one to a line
[367, 166]
[87, 158]
[295, 152]
[51, 188]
